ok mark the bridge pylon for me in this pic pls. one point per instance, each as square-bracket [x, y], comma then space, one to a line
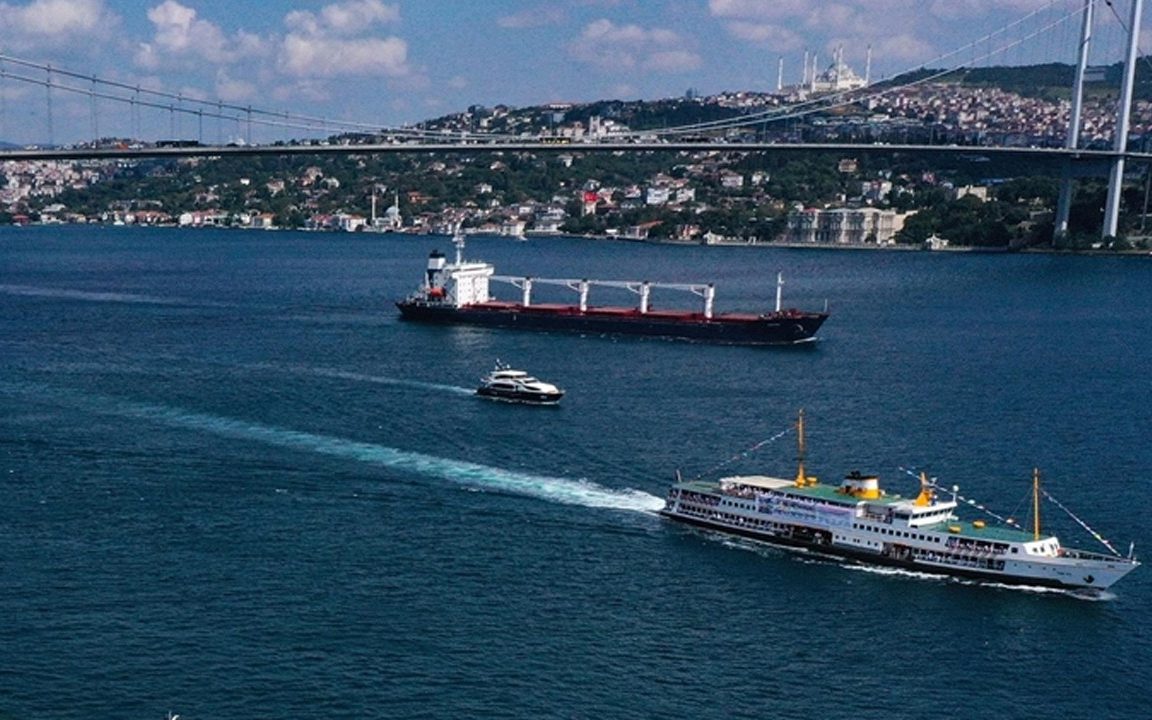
[1120, 144]
[1120, 141]
[1064, 204]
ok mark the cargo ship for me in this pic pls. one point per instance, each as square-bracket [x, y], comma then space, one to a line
[458, 293]
[859, 521]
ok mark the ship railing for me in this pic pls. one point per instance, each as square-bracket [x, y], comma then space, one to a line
[741, 491]
[583, 287]
[960, 560]
[1074, 554]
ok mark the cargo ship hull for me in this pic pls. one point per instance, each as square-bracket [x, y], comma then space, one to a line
[783, 328]
[457, 293]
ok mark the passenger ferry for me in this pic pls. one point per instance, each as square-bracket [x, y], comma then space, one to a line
[857, 520]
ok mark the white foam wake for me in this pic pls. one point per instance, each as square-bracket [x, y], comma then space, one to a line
[363, 377]
[91, 296]
[554, 489]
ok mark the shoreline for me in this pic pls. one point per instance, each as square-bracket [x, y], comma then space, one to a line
[860, 247]
[871, 247]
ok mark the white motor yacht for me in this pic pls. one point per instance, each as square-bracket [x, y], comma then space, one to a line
[506, 383]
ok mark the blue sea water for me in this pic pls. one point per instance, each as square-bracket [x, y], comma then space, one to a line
[235, 485]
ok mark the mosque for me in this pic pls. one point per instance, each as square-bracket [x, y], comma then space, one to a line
[837, 77]
[392, 221]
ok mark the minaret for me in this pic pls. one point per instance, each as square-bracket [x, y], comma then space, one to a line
[804, 71]
[780, 74]
[868, 67]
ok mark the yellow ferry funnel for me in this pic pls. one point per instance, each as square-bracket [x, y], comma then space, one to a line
[869, 489]
[865, 487]
[925, 496]
[801, 478]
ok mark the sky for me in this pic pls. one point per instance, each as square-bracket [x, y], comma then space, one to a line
[392, 62]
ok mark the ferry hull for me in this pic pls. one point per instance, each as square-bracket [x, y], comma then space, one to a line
[787, 328]
[820, 541]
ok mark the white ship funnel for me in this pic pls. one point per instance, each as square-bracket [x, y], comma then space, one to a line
[436, 263]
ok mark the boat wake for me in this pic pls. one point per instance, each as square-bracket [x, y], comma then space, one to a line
[115, 297]
[363, 377]
[483, 477]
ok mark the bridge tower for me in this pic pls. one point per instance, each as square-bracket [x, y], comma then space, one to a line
[1120, 141]
[1064, 204]
[1120, 145]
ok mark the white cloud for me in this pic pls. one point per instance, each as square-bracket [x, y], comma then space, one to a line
[304, 56]
[330, 43]
[348, 18]
[54, 22]
[355, 15]
[230, 89]
[837, 17]
[194, 93]
[760, 10]
[181, 36]
[822, 26]
[613, 47]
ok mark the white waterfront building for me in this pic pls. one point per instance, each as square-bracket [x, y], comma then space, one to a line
[844, 226]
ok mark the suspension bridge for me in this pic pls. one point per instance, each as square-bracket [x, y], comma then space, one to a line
[128, 121]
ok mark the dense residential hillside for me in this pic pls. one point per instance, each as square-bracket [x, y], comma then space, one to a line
[709, 194]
